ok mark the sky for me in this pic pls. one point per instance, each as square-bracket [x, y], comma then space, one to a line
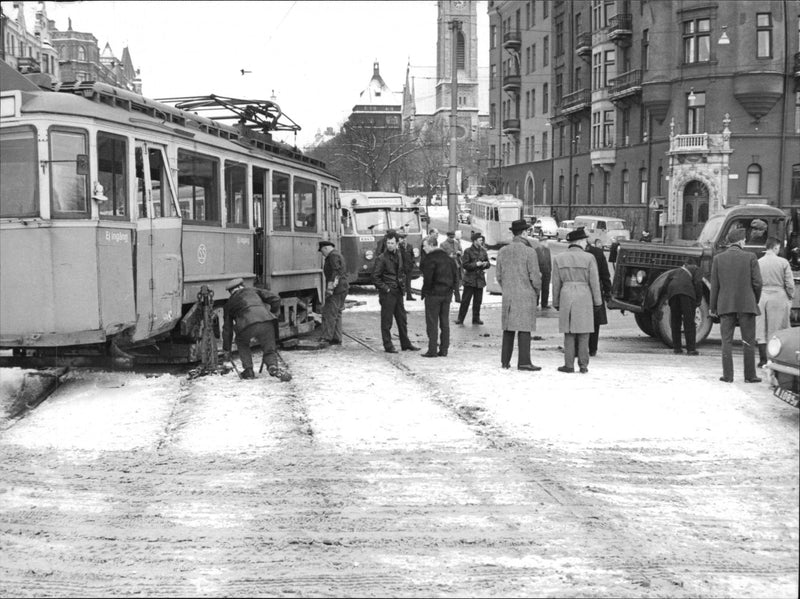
[314, 56]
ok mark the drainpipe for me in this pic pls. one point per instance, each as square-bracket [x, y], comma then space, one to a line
[783, 106]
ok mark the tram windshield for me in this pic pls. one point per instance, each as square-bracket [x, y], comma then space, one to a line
[382, 219]
[508, 214]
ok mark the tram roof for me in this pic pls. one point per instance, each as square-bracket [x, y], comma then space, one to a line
[370, 198]
[497, 199]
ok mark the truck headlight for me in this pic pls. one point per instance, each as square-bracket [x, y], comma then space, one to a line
[774, 347]
[640, 275]
[368, 255]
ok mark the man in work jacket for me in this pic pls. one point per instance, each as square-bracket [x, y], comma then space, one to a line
[439, 280]
[336, 288]
[684, 292]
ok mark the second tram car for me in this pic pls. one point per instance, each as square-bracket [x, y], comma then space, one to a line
[366, 216]
[492, 216]
[116, 210]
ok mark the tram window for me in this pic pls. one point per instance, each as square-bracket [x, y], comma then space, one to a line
[347, 222]
[259, 184]
[198, 187]
[112, 151]
[18, 168]
[325, 199]
[281, 211]
[405, 219]
[305, 205]
[162, 198]
[69, 189]
[236, 193]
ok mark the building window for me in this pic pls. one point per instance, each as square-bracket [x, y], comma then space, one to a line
[559, 36]
[764, 34]
[659, 180]
[695, 112]
[545, 8]
[578, 26]
[645, 58]
[527, 105]
[643, 124]
[492, 37]
[492, 75]
[608, 129]
[578, 81]
[575, 187]
[561, 189]
[533, 58]
[596, 129]
[562, 134]
[590, 197]
[795, 193]
[112, 173]
[597, 69]
[753, 180]
[545, 50]
[544, 145]
[527, 60]
[626, 187]
[606, 186]
[533, 102]
[609, 68]
[460, 51]
[545, 98]
[559, 88]
[493, 116]
[527, 149]
[19, 193]
[643, 185]
[81, 53]
[626, 126]
[696, 40]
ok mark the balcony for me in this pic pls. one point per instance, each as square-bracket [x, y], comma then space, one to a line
[512, 40]
[511, 83]
[626, 85]
[691, 143]
[583, 44]
[576, 101]
[604, 157]
[797, 64]
[619, 29]
[511, 126]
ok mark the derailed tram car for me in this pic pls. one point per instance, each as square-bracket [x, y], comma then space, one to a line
[117, 211]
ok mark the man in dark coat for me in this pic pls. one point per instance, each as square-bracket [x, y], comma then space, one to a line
[336, 288]
[408, 261]
[246, 313]
[735, 292]
[452, 247]
[684, 291]
[439, 280]
[475, 262]
[389, 277]
[600, 315]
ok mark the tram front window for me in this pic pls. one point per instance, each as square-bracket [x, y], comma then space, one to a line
[18, 193]
[409, 220]
[508, 214]
[372, 221]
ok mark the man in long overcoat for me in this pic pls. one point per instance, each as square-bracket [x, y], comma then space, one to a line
[520, 280]
[576, 292]
[475, 263]
[600, 316]
[735, 291]
[776, 296]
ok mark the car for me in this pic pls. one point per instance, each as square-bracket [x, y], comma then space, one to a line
[606, 228]
[545, 226]
[464, 216]
[783, 350]
[565, 227]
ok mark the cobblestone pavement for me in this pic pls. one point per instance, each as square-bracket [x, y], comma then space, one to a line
[390, 475]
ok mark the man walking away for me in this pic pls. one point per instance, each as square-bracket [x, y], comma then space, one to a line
[520, 280]
[438, 282]
[246, 313]
[408, 261]
[389, 277]
[776, 296]
[452, 248]
[336, 289]
[684, 291]
[735, 293]
[576, 292]
[475, 263]
[600, 315]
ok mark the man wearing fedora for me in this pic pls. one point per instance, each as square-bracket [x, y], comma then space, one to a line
[336, 288]
[576, 294]
[253, 314]
[475, 263]
[520, 280]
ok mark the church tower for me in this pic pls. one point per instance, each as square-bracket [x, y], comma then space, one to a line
[466, 58]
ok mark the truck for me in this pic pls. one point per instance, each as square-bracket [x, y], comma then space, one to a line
[641, 268]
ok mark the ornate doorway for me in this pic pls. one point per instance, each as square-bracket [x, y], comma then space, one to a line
[695, 209]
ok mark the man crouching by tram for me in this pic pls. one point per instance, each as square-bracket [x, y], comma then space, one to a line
[247, 313]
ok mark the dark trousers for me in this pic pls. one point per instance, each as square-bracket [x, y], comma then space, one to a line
[476, 295]
[682, 309]
[747, 328]
[332, 317]
[437, 315]
[264, 333]
[524, 343]
[594, 338]
[545, 297]
[408, 286]
[392, 307]
[576, 342]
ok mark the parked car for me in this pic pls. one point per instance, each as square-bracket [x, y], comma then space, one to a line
[784, 365]
[464, 216]
[606, 228]
[564, 228]
[545, 226]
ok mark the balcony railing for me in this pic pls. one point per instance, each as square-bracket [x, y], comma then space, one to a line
[576, 101]
[619, 27]
[511, 83]
[512, 39]
[627, 84]
[511, 126]
[28, 64]
[691, 142]
[583, 43]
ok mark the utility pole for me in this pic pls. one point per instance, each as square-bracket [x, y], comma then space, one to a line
[452, 192]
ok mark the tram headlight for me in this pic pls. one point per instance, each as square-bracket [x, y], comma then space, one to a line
[416, 252]
[369, 255]
[774, 347]
[640, 275]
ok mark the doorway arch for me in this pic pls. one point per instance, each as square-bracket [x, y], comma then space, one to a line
[695, 209]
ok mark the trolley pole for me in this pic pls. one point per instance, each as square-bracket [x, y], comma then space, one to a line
[452, 193]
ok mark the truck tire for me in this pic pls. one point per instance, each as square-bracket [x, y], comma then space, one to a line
[662, 327]
[645, 322]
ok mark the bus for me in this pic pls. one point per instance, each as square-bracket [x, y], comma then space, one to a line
[117, 211]
[492, 216]
[366, 217]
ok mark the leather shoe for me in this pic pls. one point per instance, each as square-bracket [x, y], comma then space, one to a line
[477, 322]
[592, 354]
[755, 379]
[411, 348]
[724, 380]
[692, 352]
[391, 350]
[505, 366]
[411, 299]
[529, 367]
[584, 370]
[565, 369]
[428, 354]
[458, 321]
[442, 353]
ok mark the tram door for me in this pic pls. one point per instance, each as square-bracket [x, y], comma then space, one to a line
[157, 270]
[260, 223]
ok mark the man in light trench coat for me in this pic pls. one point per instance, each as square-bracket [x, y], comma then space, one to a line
[576, 293]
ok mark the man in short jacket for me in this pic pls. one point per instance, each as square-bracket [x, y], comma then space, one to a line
[439, 280]
[684, 292]
[336, 288]
[475, 262]
[389, 277]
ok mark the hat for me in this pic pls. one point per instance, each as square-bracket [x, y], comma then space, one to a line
[234, 283]
[758, 224]
[451, 233]
[322, 244]
[478, 235]
[577, 234]
[736, 235]
[519, 225]
[402, 233]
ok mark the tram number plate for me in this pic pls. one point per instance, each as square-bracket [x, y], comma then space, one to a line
[367, 238]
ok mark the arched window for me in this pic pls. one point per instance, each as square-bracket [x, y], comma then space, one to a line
[575, 188]
[81, 53]
[460, 51]
[643, 185]
[753, 180]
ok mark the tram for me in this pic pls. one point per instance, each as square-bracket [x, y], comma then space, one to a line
[492, 216]
[116, 211]
[366, 216]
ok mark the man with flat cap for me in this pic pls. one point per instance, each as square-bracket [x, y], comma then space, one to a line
[452, 247]
[336, 288]
[475, 263]
[408, 261]
[735, 292]
[253, 314]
